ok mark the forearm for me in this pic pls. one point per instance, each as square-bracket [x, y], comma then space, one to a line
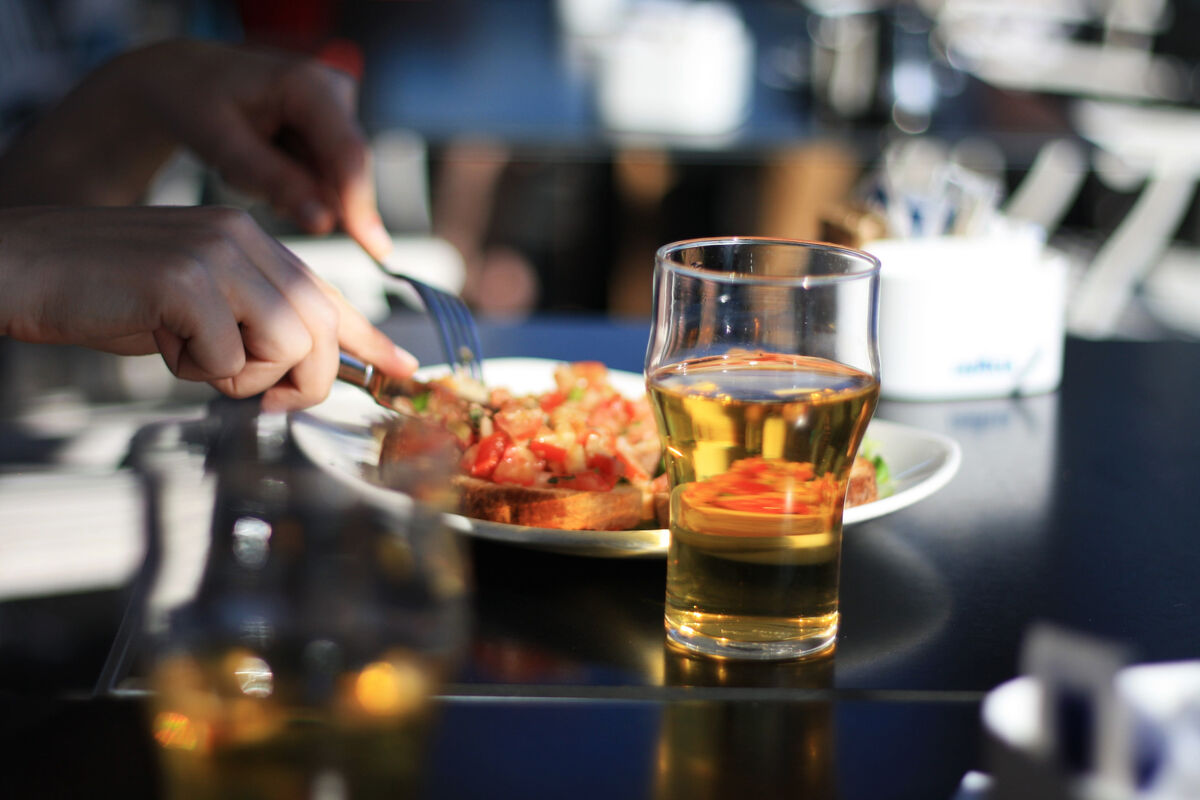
[99, 147]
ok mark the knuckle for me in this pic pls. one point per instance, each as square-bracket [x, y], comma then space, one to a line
[219, 226]
[326, 313]
[229, 218]
[188, 276]
[287, 342]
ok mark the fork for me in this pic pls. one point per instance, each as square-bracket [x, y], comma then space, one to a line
[382, 388]
[455, 325]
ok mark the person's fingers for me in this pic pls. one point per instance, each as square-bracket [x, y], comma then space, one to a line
[312, 372]
[337, 149]
[308, 381]
[220, 300]
[263, 339]
[364, 341]
[198, 333]
[252, 164]
[277, 343]
[360, 217]
[228, 318]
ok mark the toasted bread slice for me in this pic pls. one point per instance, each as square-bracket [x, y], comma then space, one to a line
[565, 509]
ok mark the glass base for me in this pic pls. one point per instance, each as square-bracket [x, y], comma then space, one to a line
[773, 649]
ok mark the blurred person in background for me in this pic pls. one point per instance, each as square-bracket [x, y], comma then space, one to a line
[206, 287]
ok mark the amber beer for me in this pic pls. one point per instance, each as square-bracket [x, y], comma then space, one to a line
[759, 449]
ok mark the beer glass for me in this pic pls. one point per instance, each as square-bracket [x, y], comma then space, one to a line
[762, 369]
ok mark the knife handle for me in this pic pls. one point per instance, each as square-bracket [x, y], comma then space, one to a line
[351, 370]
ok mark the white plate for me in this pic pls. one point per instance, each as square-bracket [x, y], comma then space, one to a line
[336, 435]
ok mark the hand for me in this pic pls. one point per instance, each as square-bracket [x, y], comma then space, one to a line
[221, 300]
[276, 126]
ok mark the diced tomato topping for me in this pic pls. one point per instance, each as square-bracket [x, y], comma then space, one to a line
[630, 466]
[630, 469]
[552, 400]
[605, 465]
[583, 434]
[611, 414]
[594, 373]
[519, 422]
[552, 453]
[519, 465]
[487, 456]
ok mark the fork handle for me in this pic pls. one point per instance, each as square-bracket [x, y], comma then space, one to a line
[351, 370]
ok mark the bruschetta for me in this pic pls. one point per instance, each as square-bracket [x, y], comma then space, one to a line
[580, 456]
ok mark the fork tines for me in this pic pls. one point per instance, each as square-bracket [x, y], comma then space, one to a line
[455, 325]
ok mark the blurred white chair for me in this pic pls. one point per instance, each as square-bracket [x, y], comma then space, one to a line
[339, 260]
[1028, 46]
[1162, 147]
[401, 160]
[1050, 186]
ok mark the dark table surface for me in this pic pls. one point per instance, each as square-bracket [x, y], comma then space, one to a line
[1076, 507]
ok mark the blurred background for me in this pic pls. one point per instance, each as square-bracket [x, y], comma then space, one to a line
[554, 144]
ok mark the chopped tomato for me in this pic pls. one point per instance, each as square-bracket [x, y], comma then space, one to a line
[487, 456]
[630, 466]
[519, 422]
[611, 414]
[552, 400]
[594, 443]
[582, 434]
[593, 373]
[605, 465]
[519, 465]
[576, 458]
[552, 453]
[631, 469]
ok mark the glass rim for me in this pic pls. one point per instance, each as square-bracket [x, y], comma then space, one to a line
[870, 263]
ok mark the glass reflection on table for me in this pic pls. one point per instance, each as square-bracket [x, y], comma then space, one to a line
[727, 747]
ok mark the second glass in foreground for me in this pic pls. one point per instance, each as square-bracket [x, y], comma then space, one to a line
[763, 372]
[304, 659]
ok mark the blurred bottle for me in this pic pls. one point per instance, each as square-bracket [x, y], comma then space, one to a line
[304, 663]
